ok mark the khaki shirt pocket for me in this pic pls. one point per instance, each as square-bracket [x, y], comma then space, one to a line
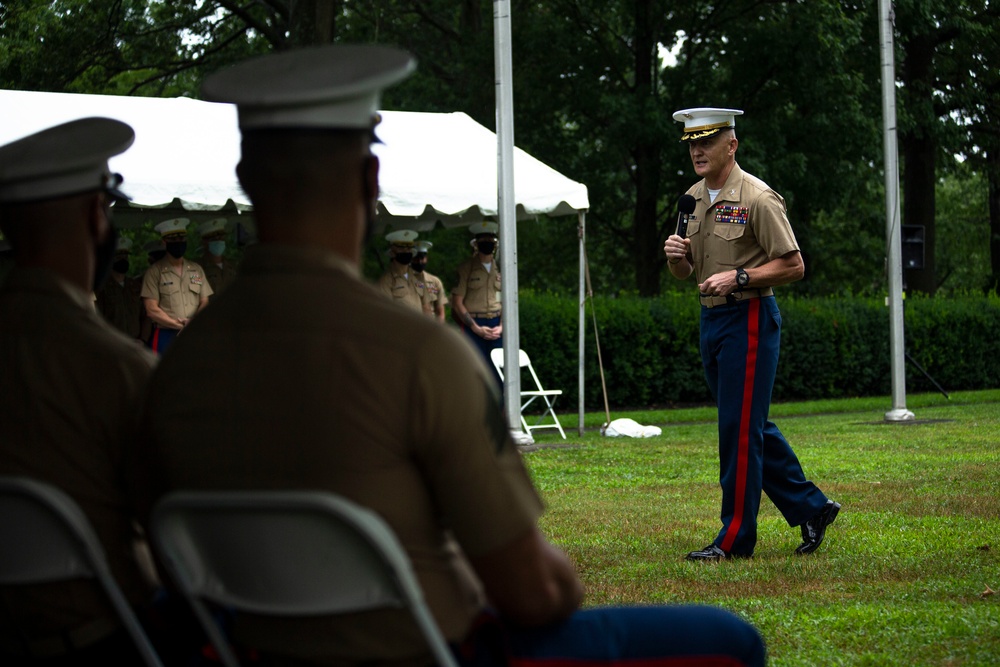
[731, 249]
[729, 231]
[170, 295]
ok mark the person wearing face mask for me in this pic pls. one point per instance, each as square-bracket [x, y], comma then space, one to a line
[475, 301]
[70, 383]
[174, 289]
[219, 271]
[118, 299]
[432, 284]
[400, 282]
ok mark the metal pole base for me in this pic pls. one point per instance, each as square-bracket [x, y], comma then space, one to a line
[899, 415]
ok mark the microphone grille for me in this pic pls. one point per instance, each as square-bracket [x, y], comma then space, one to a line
[686, 204]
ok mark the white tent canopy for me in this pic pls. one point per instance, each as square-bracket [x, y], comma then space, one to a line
[435, 167]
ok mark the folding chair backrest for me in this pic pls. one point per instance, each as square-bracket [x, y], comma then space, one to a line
[496, 356]
[530, 395]
[286, 553]
[46, 537]
[525, 362]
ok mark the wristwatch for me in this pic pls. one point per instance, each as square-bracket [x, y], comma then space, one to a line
[742, 277]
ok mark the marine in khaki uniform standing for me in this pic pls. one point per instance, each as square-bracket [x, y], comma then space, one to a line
[174, 289]
[374, 402]
[475, 299]
[400, 282]
[739, 246]
[155, 251]
[219, 271]
[70, 383]
[118, 300]
[432, 284]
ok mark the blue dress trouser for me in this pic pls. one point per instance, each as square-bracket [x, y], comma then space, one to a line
[161, 339]
[642, 636]
[739, 351]
[484, 346]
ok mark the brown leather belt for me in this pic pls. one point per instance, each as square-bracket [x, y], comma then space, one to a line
[735, 297]
[485, 315]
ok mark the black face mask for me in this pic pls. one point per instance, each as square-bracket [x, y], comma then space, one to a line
[104, 255]
[120, 266]
[418, 266]
[177, 249]
[486, 247]
[404, 258]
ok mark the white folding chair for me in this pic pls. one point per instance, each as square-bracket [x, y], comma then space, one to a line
[46, 537]
[285, 553]
[528, 396]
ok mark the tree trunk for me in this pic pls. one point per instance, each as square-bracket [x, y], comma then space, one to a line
[993, 176]
[919, 150]
[648, 252]
[313, 22]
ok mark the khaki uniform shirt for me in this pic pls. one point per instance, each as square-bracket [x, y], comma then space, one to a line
[385, 407]
[121, 305]
[178, 295]
[219, 277]
[401, 283]
[746, 226]
[71, 389]
[479, 288]
[435, 288]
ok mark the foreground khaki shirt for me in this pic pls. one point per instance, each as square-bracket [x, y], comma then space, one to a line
[179, 295]
[746, 226]
[479, 288]
[385, 407]
[70, 388]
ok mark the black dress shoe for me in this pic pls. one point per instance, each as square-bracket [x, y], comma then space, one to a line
[814, 529]
[709, 553]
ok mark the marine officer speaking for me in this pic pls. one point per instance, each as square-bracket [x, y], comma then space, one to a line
[739, 245]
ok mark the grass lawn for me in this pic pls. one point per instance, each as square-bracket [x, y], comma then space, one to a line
[902, 577]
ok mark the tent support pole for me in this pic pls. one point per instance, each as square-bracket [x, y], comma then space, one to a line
[582, 232]
[507, 210]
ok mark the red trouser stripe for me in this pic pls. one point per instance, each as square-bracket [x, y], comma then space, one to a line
[156, 340]
[665, 661]
[744, 440]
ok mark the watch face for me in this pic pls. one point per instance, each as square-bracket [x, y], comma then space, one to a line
[742, 278]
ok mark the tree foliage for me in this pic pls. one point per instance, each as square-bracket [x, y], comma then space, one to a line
[594, 97]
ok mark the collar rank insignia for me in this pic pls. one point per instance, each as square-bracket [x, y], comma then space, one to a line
[736, 215]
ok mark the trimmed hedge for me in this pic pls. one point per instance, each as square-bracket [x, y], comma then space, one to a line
[831, 347]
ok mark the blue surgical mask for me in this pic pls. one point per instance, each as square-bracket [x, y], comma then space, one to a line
[216, 248]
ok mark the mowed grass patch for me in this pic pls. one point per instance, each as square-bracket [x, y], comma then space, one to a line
[902, 578]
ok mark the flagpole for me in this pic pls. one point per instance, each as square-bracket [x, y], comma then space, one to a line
[894, 265]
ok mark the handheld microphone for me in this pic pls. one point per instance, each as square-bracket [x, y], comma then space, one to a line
[685, 207]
